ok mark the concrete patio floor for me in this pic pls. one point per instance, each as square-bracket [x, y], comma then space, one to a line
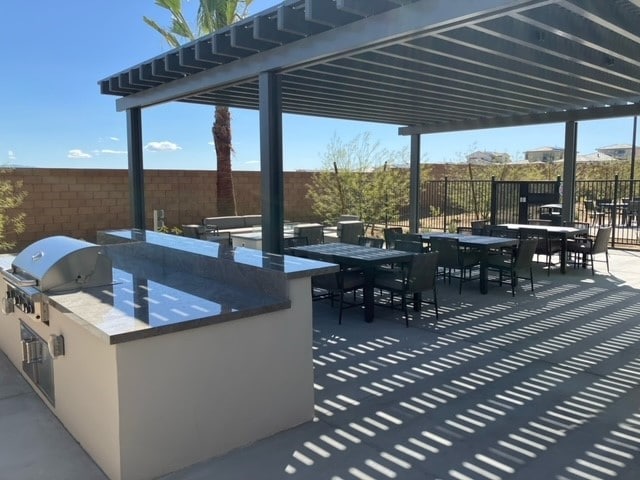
[536, 386]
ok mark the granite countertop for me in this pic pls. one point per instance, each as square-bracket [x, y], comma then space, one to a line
[290, 266]
[164, 284]
[136, 307]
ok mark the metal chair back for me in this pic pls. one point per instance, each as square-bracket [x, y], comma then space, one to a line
[348, 232]
[314, 234]
[390, 234]
[422, 271]
[370, 241]
[409, 246]
[601, 243]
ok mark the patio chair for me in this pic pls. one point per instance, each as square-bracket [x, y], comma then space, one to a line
[396, 270]
[478, 226]
[336, 285]
[419, 277]
[390, 234]
[517, 266]
[631, 213]
[498, 231]
[314, 233]
[546, 246]
[593, 212]
[578, 225]
[453, 257]
[466, 231]
[370, 241]
[586, 248]
[408, 245]
[348, 232]
[296, 241]
[410, 237]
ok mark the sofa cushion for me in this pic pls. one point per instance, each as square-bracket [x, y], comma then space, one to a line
[252, 220]
[225, 223]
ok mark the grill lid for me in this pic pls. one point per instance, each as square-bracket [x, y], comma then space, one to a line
[60, 263]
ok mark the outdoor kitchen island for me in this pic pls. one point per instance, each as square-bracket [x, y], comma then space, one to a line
[194, 349]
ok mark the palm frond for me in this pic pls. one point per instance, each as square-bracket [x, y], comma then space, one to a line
[168, 36]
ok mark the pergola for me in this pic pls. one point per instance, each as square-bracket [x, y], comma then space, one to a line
[425, 65]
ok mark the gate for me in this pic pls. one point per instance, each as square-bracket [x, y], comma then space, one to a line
[517, 202]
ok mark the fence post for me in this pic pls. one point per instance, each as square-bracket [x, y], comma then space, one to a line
[493, 201]
[446, 202]
[614, 210]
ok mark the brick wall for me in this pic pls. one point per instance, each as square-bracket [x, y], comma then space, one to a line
[78, 203]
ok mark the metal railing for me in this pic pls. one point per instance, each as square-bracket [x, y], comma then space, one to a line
[448, 204]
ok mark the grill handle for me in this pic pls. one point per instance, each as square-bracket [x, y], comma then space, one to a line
[16, 280]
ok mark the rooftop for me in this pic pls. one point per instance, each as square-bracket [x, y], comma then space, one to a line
[535, 386]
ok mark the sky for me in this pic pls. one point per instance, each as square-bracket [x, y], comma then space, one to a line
[52, 114]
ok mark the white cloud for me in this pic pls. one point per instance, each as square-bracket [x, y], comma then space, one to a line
[252, 162]
[107, 151]
[11, 155]
[164, 146]
[115, 139]
[77, 153]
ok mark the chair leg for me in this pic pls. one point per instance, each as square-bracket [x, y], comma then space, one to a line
[606, 256]
[405, 310]
[435, 301]
[340, 313]
[531, 277]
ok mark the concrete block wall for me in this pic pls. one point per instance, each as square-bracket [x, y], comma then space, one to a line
[78, 203]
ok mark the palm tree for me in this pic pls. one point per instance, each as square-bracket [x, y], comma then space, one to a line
[212, 15]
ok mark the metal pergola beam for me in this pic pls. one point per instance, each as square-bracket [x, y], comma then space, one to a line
[597, 113]
[352, 37]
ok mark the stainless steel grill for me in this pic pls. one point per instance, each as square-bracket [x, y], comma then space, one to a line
[53, 265]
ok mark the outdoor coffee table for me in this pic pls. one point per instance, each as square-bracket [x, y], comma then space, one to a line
[483, 244]
[348, 255]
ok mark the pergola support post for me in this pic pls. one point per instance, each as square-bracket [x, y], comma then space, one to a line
[272, 181]
[136, 167]
[414, 184]
[569, 171]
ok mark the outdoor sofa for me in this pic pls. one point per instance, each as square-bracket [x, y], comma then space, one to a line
[232, 224]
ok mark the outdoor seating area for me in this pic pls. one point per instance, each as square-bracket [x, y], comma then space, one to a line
[505, 250]
[540, 385]
[472, 323]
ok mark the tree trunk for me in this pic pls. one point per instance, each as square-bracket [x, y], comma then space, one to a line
[221, 130]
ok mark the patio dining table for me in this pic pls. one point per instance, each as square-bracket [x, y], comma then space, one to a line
[563, 233]
[482, 243]
[348, 255]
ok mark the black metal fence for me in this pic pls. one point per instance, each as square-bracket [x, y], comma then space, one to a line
[446, 204]
[611, 202]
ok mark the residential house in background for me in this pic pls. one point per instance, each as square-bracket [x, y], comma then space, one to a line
[484, 158]
[544, 154]
[621, 151]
